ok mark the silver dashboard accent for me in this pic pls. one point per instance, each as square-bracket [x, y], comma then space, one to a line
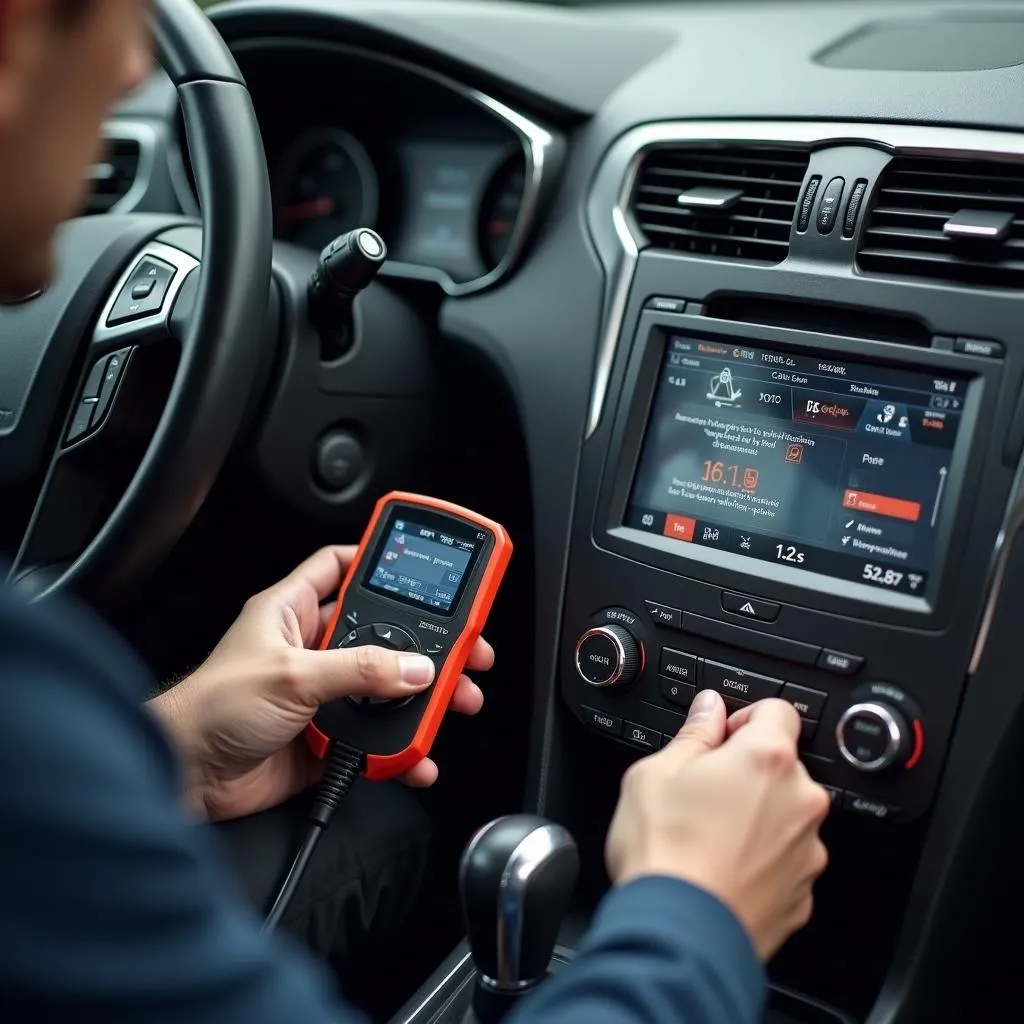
[531, 853]
[145, 136]
[894, 736]
[618, 242]
[536, 143]
[183, 263]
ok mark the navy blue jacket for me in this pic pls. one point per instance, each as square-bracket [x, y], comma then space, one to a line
[114, 907]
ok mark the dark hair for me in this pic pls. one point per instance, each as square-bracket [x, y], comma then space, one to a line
[70, 10]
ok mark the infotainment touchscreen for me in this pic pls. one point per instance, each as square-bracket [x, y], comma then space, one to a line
[836, 467]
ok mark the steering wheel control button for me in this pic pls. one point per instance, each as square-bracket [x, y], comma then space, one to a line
[873, 736]
[338, 460]
[739, 684]
[81, 421]
[602, 721]
[664, 615]
[810, 703]
[144, 291]
[807, 203]
[750, 607]
[678, 666]
[607, 656]
[840, 663]
[642, 736]
[853, 208]
[872, 808]
[91, 388]
[111, 378]
[828, 211]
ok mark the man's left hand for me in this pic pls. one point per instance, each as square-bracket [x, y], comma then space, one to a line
[239, 717]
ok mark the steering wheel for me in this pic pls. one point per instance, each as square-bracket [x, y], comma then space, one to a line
[125, 382]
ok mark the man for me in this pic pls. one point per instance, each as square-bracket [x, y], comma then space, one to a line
[113, 905]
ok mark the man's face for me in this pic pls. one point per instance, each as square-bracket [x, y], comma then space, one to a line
[60, 73]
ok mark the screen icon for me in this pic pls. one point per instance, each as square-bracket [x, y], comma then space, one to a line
[723, 390]
[794, 453]
[887, 413]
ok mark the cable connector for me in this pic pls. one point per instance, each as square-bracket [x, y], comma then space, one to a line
[343, 766]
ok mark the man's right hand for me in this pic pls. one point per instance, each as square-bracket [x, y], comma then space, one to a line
[728, 807]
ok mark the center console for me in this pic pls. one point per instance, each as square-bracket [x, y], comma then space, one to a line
[783, 515]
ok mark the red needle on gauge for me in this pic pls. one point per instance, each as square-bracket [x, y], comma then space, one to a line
[319, 207]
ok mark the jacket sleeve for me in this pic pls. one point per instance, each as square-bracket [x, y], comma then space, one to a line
[660, 951]
[113, 905]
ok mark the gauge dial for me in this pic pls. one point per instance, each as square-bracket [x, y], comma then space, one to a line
[499, 211]
[326, 184]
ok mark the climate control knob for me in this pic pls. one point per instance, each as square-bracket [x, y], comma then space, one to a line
[873, 735]
[608, 656]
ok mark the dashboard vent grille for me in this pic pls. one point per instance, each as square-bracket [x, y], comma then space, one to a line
[960, 220]
[112, 176]
[736, 203]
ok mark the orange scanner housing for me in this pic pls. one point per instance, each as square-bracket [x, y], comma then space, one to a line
[468, 617]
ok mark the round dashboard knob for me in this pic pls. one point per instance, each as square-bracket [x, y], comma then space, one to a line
[873, 735]
[607, 656]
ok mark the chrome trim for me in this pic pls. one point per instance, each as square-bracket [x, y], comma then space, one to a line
[473, 843]
[620, 655]
[145, 136]
[183, 262]
[532, 853]
[1010, 527]
[892, 727]
[435, 991]
[536, 143]
[618, 245]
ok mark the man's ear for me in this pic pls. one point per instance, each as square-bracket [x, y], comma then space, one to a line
[24, 27]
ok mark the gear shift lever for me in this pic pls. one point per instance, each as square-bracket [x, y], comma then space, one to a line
[516, 879]
[345, 267]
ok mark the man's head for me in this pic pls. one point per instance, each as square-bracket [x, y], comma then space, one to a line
[63, 63]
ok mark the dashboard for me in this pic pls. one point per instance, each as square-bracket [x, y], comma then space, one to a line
[748, 278]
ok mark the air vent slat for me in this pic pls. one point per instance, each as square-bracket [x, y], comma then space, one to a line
[755, 226]
[903, 232]
[112, 177]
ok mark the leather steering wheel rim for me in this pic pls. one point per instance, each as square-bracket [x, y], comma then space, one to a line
[219, 356]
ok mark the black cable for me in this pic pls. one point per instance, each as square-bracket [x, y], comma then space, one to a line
[344, 763]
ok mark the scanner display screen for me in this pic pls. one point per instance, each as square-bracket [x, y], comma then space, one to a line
[424, 559]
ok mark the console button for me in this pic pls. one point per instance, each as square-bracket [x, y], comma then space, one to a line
[835, 795]
[840, 663]
[738, 683]
[751, 639]
[666, 305]
[642, 736]
[81, 421]
[677, 693]
[980, 347]
[607, 656]
[828, 212]
[664, 615]
[810, 703]
[751, 607]
[865, 805]
[678, 666]
[602, 720]
[873, 735]
[808, 728]
[391, 636]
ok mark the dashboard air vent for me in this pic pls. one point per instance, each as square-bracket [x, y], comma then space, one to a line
[113, 175]
[960, 220]
[736, 203]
